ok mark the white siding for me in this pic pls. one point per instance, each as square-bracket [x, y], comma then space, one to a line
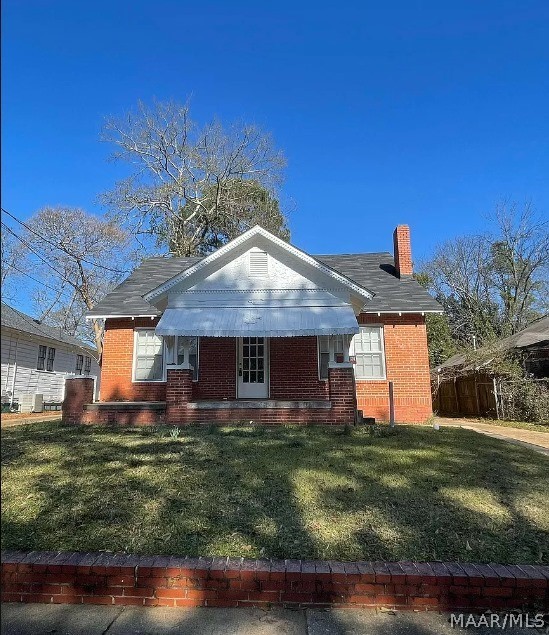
[19, 355]
[236, 275]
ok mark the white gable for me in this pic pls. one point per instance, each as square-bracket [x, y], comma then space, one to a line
[247, 272]
[240, 266]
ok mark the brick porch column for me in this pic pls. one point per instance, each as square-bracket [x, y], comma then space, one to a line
[78, 392]
[179, 391]
[342, 393]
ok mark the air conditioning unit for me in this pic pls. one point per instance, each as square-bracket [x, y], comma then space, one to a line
[30, 402]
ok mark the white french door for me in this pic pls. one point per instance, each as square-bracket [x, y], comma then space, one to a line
[253, 368]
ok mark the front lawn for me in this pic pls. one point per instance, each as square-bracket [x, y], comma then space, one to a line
[285, 492]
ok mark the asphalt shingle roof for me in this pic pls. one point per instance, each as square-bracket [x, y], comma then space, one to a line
[14, 319]
[535, 334]
[377, 273]
[374, 271]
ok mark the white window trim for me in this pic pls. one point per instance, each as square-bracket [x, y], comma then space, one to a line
[318, 351]
[134, 360]
[383, 359]
[346, 339]
[184, 366]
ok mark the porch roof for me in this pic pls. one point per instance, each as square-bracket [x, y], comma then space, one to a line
[258, 321]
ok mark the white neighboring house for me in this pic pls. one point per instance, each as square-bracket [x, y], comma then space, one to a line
[36, 359]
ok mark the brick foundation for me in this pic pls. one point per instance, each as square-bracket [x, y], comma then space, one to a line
[88, 578]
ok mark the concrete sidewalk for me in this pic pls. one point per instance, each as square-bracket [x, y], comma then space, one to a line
[77, 619]
[537, 441]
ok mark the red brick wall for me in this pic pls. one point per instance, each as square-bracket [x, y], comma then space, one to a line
[217, 368]
[407, 363]
[88, 578]
[78, 392]
[402, 251]
[294, 369]
[131, 417]
[117, 360]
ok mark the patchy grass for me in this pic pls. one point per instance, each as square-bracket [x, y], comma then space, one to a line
[280, 492]
[524, 425]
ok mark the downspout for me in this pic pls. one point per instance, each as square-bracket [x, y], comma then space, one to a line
[14, 374]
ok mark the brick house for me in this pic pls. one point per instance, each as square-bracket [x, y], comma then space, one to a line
[261, 331]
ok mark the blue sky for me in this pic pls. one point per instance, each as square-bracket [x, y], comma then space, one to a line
[426, 113]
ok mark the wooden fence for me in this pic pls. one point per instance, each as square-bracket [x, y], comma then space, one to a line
[471, 396]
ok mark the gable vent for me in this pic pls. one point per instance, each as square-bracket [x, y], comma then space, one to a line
[258, 264]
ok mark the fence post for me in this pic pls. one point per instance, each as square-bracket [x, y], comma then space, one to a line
[496, 397]
[391, 406]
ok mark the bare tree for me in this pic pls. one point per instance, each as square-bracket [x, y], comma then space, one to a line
[519, 266]
[12, 261]
[493, 284]
[78, 257]
[192, 185]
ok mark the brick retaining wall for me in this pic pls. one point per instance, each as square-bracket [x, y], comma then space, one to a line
[88, 578]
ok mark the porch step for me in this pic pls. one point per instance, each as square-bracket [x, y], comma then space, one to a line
[260, 404]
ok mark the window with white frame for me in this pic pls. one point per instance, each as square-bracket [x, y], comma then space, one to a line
[149, 360]
[367, 349]
[325, 355]
[182, 350]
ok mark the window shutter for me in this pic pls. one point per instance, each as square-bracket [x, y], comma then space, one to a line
[258, 264]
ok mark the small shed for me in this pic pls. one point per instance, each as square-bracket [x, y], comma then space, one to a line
[466, 387]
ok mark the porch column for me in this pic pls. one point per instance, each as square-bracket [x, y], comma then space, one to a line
[78, 393]
[179, 391]
[342, 393]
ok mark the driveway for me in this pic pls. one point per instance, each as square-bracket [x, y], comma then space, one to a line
[10, 419]
[537, 441]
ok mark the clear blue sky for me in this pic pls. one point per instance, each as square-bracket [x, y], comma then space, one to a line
[388, 112]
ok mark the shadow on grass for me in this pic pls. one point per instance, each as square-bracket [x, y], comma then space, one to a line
[287, 492]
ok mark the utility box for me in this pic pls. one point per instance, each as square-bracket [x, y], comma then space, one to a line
[30, 402]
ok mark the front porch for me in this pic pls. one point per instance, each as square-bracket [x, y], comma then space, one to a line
[293, 390]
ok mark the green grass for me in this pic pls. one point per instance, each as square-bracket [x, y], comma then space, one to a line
[279, 492]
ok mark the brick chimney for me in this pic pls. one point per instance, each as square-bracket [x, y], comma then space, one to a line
[403, 251]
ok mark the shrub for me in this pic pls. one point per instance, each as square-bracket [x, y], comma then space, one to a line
[525, 400]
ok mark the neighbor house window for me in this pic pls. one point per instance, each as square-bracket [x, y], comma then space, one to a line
[41, 363]
[50, 358]
[87, 365]
[79, 364]
[367, 350]
[149, 362]
[181, 350]
[325, 342]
